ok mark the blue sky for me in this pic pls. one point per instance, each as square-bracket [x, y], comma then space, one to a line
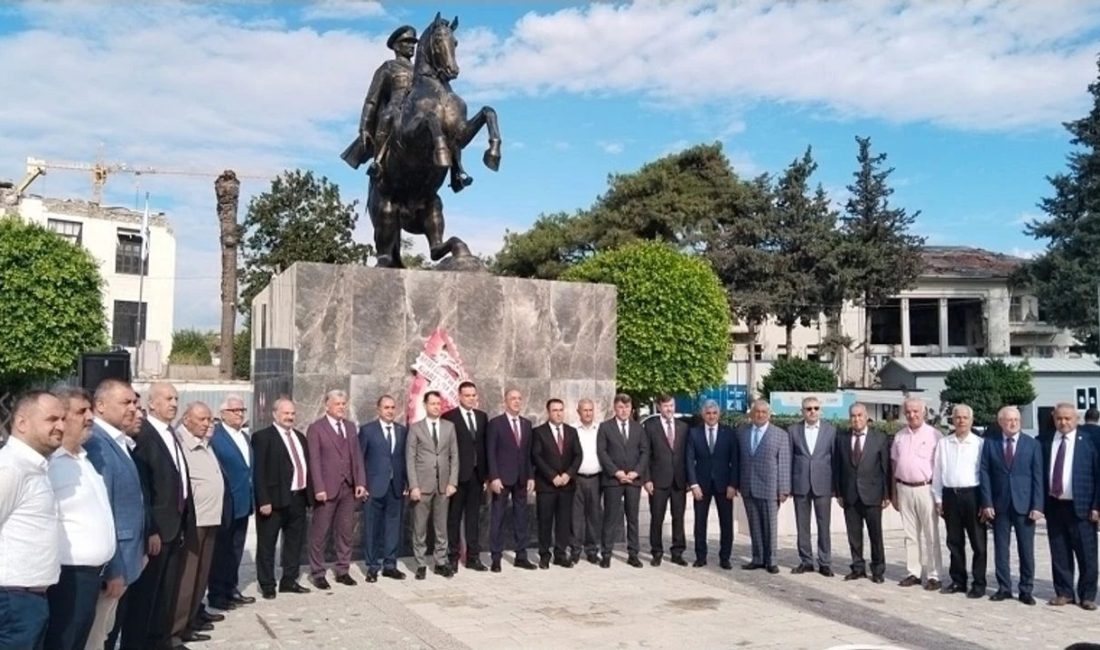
[967, 100]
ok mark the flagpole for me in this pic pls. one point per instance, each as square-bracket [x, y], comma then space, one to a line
[141, 276]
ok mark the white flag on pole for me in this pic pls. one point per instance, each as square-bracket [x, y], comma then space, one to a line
[145, 231]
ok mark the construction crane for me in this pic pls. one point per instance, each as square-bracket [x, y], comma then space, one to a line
[100, 171]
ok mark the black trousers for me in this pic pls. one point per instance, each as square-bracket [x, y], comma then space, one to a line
[658, 505]
[465, 501]
[1071, 538]
[618, 499]
[725, 524]
[555, 516]
[72, 607]
[152, 600]
[518, 495]
[291, 522]
[960, 514]
[855, 516]
[228, 551]
[587, 515]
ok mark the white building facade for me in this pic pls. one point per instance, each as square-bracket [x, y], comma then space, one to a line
[113, 237]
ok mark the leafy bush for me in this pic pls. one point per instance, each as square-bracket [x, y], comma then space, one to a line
[798, 375]
[190, 347]
[987, 386]
[242, 354]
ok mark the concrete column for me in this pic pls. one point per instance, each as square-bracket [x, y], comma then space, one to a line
[997, 332]
[904, 327]
[944, 340]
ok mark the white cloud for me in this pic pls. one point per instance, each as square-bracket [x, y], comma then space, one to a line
[342, 10]
[1026, 253]
[611, 147]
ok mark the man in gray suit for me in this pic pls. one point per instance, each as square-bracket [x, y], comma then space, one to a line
[625, 463]
[764, 482]
[812, 484]
[431, 459]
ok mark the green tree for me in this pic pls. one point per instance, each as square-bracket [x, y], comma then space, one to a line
[987, 386]
[552, 244]
[1066, 274]
[798, 375]
[190, 347]
[51, 305]
[242, 354]
[881, 256]
[300, 219]
[673, 318]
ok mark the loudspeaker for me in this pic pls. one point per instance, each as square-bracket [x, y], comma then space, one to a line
[95, 367]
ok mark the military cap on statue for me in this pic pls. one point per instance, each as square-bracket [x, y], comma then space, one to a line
[401, 33]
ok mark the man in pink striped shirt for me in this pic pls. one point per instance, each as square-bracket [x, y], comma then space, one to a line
[912, 456]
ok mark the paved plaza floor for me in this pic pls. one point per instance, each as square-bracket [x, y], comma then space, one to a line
[665, 607]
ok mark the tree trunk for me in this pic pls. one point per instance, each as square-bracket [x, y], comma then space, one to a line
[750, 386]
[790, 340]
[228, 190]
[866, 342]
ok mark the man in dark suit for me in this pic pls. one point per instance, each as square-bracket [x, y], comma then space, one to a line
[624, 460]
[511, 476]
[712, 467]
[1072, 469]
[473, 469]
[764, 482]
[812, 485]
[861, 472]
[1011, 487]
[165, 481]
[234, 453]
[336, 475]
[556, 452]
[666, 440]
[383, 444]
[281, 480]
[1092, 424]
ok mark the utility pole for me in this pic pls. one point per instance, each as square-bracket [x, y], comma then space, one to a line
[228, 190]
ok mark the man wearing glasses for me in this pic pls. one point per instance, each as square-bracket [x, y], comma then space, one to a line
[812, 484]
[234, 453]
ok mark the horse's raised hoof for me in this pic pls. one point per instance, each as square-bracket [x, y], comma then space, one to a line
[492, 159]
[460, 182]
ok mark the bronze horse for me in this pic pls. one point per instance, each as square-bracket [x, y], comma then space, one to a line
[426, 144]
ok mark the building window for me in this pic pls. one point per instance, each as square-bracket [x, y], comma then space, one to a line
[125, 323]
[886, 323]
[70, 230]
[128, 254]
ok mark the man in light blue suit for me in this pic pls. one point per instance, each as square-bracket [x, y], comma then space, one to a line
[382, 443]
[108, 449]
[764, 482]
[233, 450]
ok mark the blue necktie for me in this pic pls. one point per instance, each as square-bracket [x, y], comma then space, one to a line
[755, 439]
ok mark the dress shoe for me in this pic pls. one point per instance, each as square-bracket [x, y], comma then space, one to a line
[454, 565]
[1088, 605]
[476, 565]
[268, 594]
[372, 576]
[563, 562]
[224, 605]
[725, 564]
[878, 580]
[593, 558]
[909, 581]
[655, 561]
[320, 583]
[241, 599]
[826, 571]
[202, 626]
[1059, 601]
[803, 568]
[699, 562]
[773, 569]
[194, 636]
[975, 592]
[955, 588]
[605, 562]
[544, 563]
[293, 588]
[751, 566]
[421, 573]
[634, 561]
[1027, 599]
[345, 579]
[495, 568]
[932, 585]
[395, 574]
[678, 560]
[524, 563]
[855, 575]
[998, 596]
[444, 571]
[575, 556]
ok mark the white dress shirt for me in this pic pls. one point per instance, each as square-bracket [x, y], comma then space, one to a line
[1067, 466]
[241, 440]
[29, 527]
[298, 480]
[590, 461]
[957, 463]
[389, 431]
[125, 442]
[175, 451]
[811, 434]
[87, 522]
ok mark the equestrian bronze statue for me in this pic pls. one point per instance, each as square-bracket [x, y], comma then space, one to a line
[416, 131]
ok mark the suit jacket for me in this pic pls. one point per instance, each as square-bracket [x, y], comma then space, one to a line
[549, 462]
[507, 461]
[630, 455]
[237, 471]
[472, 463]
[120, 475]
[1085, 474]
[869, 483]
[713, 471]
[812, 469]
[767, 473]
[160, 481]
[273, 467]
[1017, 489]
[431, 467]
[384, 467]
[667, 465]
[334, 461]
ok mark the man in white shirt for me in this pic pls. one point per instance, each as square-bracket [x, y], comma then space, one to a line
[955, 481]
[29, 527]
[587, 509]
[87, 540]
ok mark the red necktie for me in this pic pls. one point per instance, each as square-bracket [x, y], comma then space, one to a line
[1010, 454]
[670, 434]
[857, 452]
[515, 432]
[1056, 487]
